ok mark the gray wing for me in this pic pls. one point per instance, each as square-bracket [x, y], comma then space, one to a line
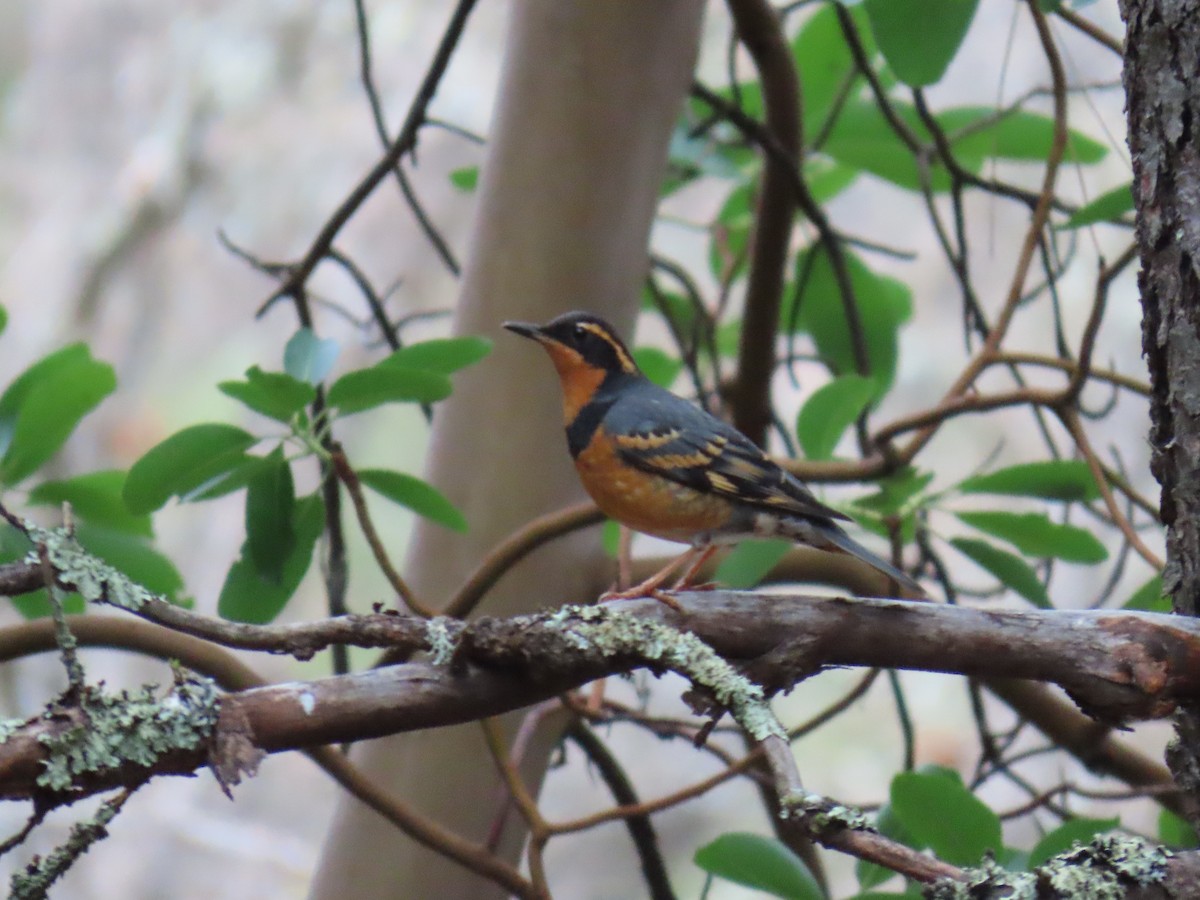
[663, 434]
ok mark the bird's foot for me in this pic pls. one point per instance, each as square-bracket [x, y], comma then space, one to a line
[642, 591]
[702, 586]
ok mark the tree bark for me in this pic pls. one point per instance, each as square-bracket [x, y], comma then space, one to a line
[569, 187]
[1162, 87]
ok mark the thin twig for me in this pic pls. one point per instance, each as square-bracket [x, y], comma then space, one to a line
[298, 275]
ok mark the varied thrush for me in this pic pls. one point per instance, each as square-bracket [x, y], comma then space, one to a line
[661, 465]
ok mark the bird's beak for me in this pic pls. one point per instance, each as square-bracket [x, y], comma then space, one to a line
[526, 329]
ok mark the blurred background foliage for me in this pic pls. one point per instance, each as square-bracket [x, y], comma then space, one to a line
[156, 164]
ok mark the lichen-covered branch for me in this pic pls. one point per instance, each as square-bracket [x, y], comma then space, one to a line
[1119, 665]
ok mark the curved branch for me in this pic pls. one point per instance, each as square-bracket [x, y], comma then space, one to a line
[760, 30]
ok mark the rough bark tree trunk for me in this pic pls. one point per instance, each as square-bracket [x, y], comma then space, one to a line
[1162, 89]
[589, 96]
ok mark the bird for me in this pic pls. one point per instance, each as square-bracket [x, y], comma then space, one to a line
[660, 465]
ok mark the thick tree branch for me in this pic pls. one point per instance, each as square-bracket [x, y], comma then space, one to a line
[1117, 664]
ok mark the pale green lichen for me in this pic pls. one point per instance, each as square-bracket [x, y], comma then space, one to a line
[139, 728]
[92, 578]
[608, 633]
[986, 881]
[34, 883]
[441, 639]
[9, 727]
[1102, 870]
[821, 815]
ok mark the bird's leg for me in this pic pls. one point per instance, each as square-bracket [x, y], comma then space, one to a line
[685, 580]
[651, 586]
[624, 557]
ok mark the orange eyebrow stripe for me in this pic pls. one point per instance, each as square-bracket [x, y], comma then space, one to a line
[626, 361]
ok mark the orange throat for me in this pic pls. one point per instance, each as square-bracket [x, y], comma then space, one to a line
[580, 381]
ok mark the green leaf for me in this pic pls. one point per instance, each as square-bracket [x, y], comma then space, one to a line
[1065, 835]
[883, 304]
[895, 492]
[465, 179]
[942, 814]
[134, 556]
[749, 562]
[694, 155]
[248, 597]
[441, 355]
[1176, 832]
[309, 358]
[96, 498]
[184, 461]
[659, 366]
[41, 408]
[226, 482]
[1150, 597]
[37, 605]
[1035, 535]
[274, 394]
[985, 132]
[610, 537]
[366, 389]
[270, 503]
[762, 863]
[830, 411]
[1055, 479]
[826, 63]
[862, 138]
[919, 38]
[3, 319]
[14, 395]
[1108, 207]
[826, 178]
[674, 307]
[419, 496]
[1010, 569]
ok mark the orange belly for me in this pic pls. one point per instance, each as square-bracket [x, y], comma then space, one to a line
[644, 502]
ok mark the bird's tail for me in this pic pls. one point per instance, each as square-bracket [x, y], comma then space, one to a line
[834, 535]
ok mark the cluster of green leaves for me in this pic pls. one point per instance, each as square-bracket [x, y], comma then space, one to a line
[931, 809]
[113, 509]
[39, 410]
[849, 137]
[210, 460]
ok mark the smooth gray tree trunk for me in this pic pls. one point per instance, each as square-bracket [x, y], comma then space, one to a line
[576, 155]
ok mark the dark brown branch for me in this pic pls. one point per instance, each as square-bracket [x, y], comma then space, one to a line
[1119, 665]
[37, 636]
[641, 830]
[759, 29]
[404, 143]
[426, 224]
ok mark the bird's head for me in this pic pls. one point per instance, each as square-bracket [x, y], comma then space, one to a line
[584, 349]
[577, 340]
